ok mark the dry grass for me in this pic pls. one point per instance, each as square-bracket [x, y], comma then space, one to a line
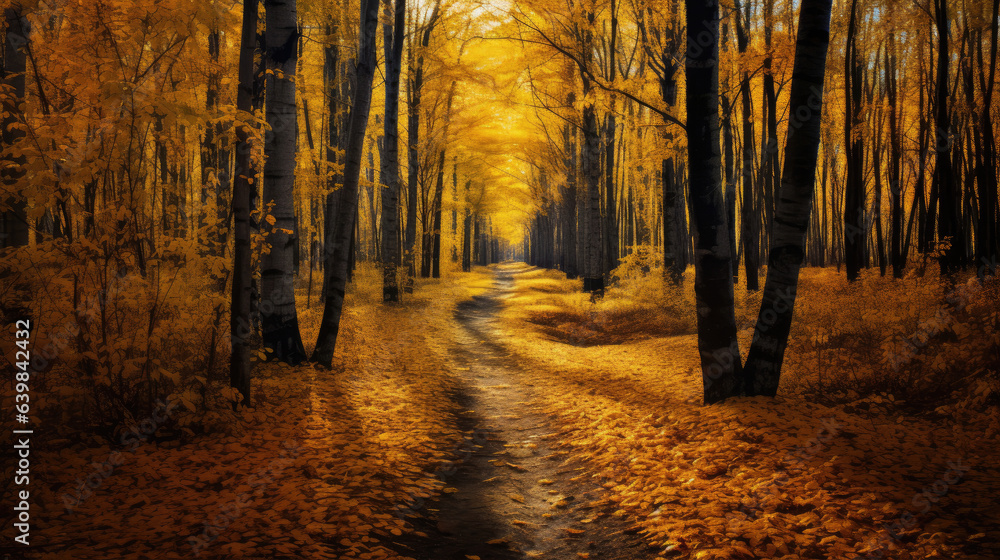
[638, 306]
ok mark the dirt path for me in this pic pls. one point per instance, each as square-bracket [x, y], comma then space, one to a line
[513, 493]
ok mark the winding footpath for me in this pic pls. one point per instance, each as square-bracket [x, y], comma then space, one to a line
[513, 493]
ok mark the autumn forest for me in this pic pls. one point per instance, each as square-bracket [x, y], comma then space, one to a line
[500, 279]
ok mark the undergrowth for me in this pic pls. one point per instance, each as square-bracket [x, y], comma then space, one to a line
[923, 342]
[637, 305]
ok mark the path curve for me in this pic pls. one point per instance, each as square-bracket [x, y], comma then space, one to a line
[514, 494]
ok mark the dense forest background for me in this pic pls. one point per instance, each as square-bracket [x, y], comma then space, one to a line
[546, 132]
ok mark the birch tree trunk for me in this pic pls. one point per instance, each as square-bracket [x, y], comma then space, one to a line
[717, 343]
[393, 43]
[791, 221]
[590, 160]
[240, 326]
[338, 256]
[279, 322]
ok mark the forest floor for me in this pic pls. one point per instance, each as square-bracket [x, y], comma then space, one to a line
[515, 493]
[500, 414]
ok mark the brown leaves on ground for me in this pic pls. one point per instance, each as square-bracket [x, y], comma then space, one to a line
[331, 469]
[757, 477]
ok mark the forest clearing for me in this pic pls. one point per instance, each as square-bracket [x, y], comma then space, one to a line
[455, 280]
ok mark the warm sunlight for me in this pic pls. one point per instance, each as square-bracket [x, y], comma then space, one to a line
[500, 280]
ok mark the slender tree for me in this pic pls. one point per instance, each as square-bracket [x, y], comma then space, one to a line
[611, 250]
[750, 215]
[987, 246]
[435, 244]
[569, 195]
[791, 221]
[855, 236]
[240, 325]
[661, 45]
[590, 158]
[944, 180]
[897, 256]
[338, 256]
[393, 36]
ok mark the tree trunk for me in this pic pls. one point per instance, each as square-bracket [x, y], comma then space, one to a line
[338, 256]
[392, 33]
[240, 324]
[467, 241]
[569, 262]
[480, 256]
[730, 184]
[944, 180]
[593, 265]
[278, 318]
[593, 278]
[749, 211]
[877, 203]
[854, 193]
[791, 222]
[454, 211]
[897, 256]
[375, 250]
[15, 231]
[673, 260]
[436, 233]
[223, 180]
[986, 246]
[717, 343]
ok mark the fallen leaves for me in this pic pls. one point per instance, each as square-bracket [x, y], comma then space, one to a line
[562, 502]
[754, 478]
[325, 471]
[518, 468]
